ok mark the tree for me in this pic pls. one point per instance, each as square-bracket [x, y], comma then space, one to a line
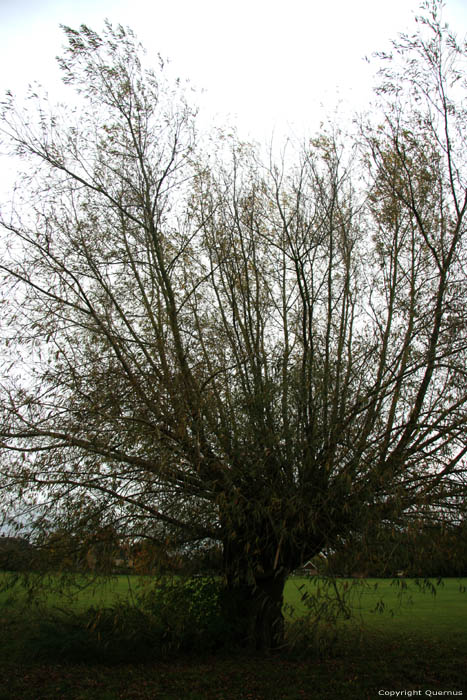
[207, 346]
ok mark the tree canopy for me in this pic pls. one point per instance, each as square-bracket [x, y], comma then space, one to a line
[205, 343]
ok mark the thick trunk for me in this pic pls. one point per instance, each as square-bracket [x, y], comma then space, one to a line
[267, 619]
[257, 559]
[255, 612]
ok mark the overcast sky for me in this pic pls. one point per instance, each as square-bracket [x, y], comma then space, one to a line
[264, 64]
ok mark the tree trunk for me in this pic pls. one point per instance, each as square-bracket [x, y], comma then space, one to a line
[267, 620]
[254, 611]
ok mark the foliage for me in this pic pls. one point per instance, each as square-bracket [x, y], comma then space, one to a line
[204, 345]
[109, 635]
[315, 629]
[16, 554]
[189, 611]
[174, 616]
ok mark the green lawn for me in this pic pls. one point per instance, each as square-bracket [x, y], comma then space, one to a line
[437, 610]
[379, 604]
[57, 591]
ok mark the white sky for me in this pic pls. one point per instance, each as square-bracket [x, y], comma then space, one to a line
[264, 64]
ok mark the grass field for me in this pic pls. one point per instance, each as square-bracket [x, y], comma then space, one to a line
[417, 643]
[438, 609]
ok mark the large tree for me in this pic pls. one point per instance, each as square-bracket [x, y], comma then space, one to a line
[207, 345]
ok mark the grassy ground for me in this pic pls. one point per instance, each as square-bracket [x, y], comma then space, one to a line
[417, 644]
[435, 608]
